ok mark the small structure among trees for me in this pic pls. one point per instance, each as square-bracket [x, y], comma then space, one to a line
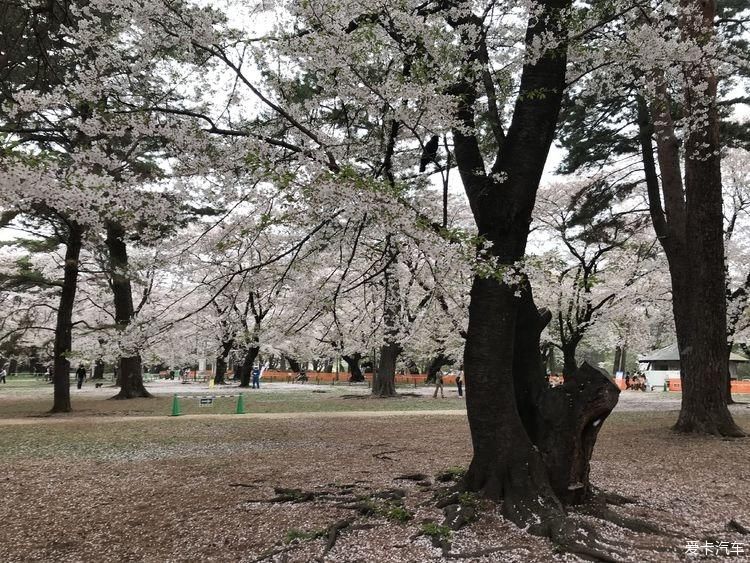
[664, 363]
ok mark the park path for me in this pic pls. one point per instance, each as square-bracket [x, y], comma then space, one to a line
[55, 419]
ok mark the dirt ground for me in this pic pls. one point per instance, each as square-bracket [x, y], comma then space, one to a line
[197, 489]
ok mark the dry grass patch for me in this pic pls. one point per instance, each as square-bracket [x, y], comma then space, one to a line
[198, 490]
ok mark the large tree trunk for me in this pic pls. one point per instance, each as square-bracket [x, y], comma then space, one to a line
[294, 365]
[98, 369]
[704, 362]
[221, 362]
[64, 324]
[384, 378]
[531, 444]
[435, 364]
[355, 371]
[690, 229]
[131, 370]
[247, 365]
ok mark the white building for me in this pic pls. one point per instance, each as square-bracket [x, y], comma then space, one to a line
[663, 364]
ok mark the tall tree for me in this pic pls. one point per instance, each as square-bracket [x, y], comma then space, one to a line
[690, 226]
[661, 98]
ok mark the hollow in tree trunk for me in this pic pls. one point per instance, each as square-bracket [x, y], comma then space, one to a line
[64, 324]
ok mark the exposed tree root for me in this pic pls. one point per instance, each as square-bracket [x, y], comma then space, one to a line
[735, 526]
[274, 552]
[412, 477]
[384, 456]
[725, 427]
[473, 554]
[608, 497]
[333, 531]
[602, 512]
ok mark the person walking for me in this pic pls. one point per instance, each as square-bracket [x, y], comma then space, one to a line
[3, 373]
[80, 375]
[460, 383]
[439, 385]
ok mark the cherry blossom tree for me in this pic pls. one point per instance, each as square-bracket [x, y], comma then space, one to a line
[604, 262]
[649, 83]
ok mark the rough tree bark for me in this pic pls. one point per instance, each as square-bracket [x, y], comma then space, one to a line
[355, 370]
[64, 323]
[519, 457]
[130, 374]
[247, 365]
[435, 364]
[98, 369]
[690, 229]
[570, 365]
[294, 365]
[384, 378]
[221, 362]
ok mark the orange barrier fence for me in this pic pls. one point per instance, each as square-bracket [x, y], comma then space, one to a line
[738, 386]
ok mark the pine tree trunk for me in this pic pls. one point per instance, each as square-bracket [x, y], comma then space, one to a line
[64, 324]
[704, 363]
[131, 370]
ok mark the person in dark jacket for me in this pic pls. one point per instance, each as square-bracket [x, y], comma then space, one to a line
[80, 375]
[460, 383]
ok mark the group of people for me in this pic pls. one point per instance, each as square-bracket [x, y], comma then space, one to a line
[439, 384]
[636, 382]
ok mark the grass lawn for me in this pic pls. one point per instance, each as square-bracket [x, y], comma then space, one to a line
[30, 398]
